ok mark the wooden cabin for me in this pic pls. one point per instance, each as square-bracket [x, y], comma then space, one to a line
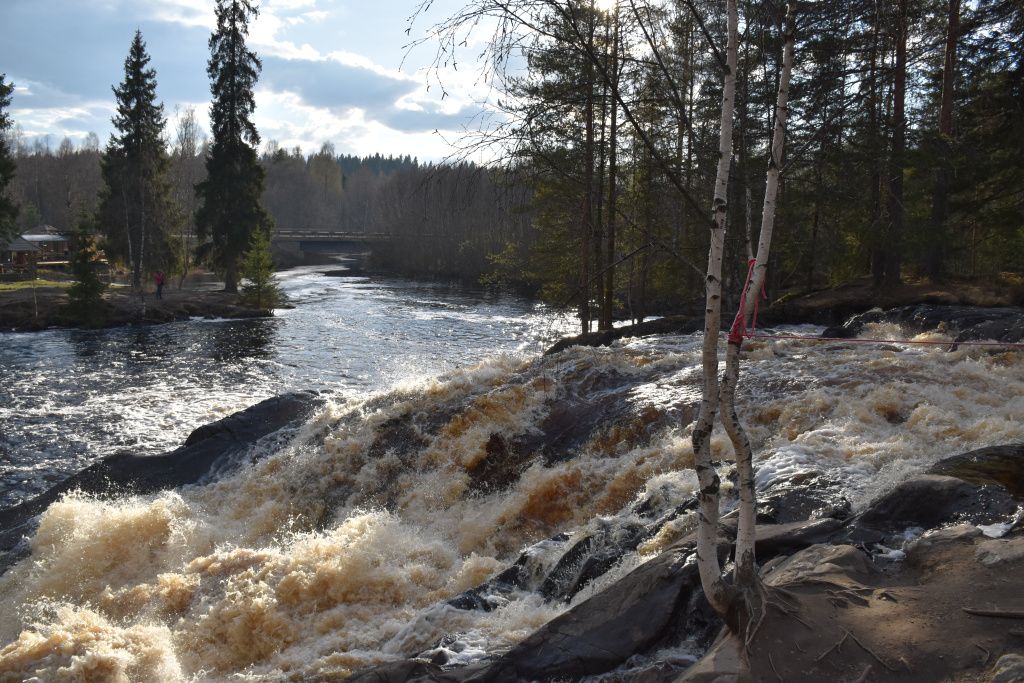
[17, 255]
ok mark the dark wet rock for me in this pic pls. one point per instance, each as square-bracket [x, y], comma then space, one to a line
[594, 409]
[930, 501]
[964, 323]
[501, 467]
[668, 325]
[590, 558]
[654, 604]
[992, 465]
[649, 506]
[658, 605]
[810, 495]
[209, 451]
[773, 540]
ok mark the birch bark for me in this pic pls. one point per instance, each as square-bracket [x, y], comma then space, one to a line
[746, 568]
[715, 588]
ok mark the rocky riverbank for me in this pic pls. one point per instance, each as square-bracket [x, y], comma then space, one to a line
[834, 305]
[923, 585]
[26, 310]
[962, 323]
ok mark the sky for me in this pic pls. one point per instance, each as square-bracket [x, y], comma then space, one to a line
[332, 70]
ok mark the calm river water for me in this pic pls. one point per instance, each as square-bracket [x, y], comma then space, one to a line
[69, 397]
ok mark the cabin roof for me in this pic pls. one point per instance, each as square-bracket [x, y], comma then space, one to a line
[44, 233]
[17, 244]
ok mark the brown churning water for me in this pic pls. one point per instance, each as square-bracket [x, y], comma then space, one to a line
[338, 551]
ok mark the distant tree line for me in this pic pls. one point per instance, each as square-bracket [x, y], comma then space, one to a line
[902, 160]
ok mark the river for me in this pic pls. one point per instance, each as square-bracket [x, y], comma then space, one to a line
[458, 492]
[69, 397]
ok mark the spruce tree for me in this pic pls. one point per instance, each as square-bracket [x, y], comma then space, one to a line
[86, 306]
[257, 267]
[138, 215]
[231, 212]
[8, 209]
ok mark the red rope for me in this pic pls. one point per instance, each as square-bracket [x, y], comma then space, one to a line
[739, 328]
[859, 340]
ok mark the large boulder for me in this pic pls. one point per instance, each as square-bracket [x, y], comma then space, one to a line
[209, 451]
[929, 501]
[1002, 465]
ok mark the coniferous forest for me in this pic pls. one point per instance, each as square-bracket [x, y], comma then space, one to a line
[903, 154]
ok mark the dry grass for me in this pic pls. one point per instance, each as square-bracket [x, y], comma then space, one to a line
[29, 284]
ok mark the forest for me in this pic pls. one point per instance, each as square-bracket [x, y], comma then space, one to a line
[903, 154]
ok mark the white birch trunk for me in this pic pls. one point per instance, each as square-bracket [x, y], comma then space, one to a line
[746, 570]
[715, 588]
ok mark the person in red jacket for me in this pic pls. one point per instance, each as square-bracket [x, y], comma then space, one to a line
[159, 278]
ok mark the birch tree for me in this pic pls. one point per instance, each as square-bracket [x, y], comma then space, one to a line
[187, 169]
[715, 588]
[746, 577]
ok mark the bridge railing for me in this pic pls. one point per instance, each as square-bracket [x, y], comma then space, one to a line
[330, 236]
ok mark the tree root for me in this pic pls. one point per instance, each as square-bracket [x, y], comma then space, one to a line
[997, 613]
[772, 662]
[864, 675]
[870, 652]
[838, 644]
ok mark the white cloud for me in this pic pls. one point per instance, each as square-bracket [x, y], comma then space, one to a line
[287, 119]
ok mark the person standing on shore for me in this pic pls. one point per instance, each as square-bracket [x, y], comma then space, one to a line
[159, 279]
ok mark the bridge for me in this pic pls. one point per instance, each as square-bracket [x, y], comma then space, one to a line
[327, 241]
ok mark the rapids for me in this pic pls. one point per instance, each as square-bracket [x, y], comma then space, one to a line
[70, 397]
[347, 547]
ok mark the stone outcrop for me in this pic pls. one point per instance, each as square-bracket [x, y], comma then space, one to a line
[209, 451]
[964, 323]
[813, 550]
[1003, 465]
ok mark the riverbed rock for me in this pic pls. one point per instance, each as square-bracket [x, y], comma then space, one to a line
[1002, 465]
[1008, 669]
[839, 618]
[208, 452]
[929, 501]
[655, 603]
[963, 323]
[806, 495]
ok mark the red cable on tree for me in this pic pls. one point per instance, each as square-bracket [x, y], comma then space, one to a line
[739, 329]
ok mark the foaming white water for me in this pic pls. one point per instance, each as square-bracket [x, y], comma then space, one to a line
[876, 414]
[339, 551]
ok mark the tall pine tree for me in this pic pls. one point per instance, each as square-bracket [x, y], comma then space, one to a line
[8, 209]
[231, 211]
[136, 210]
